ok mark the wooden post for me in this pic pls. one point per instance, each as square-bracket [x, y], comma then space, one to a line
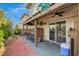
[35, 33]
[27, 30]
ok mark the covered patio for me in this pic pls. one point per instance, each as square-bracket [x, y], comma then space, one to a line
[59, 16]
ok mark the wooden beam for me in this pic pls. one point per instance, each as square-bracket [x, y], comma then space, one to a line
[35, 33]
[27, 30]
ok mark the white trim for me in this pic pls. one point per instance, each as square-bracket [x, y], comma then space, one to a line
[54, 42]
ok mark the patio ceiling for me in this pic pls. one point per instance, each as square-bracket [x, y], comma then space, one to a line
[39, 14]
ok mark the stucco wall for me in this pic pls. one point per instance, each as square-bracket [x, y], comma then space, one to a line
[78, 29]
[46, 31]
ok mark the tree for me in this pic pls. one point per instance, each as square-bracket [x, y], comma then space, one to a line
[29, 5]
[43, 6]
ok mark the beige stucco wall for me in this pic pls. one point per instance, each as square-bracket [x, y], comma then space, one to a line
[78, 29]
[46, 31]
[74, 33]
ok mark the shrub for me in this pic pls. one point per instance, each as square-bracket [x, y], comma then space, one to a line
[17, 31]
[1, 38]
[6, 30]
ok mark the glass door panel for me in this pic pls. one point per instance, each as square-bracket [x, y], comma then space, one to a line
[58, 32]
[52, 32]
[61, 32]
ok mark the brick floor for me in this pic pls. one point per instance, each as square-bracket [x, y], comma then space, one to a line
[19, 47]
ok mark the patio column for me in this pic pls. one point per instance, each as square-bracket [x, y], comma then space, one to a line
[35, 33]
[27, 30]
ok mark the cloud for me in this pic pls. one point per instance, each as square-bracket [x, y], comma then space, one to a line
[19, 9]
[16, 13]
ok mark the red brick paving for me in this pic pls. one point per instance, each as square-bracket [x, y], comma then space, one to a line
[19, 47]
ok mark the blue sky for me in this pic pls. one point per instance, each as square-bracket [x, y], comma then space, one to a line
[14, 11]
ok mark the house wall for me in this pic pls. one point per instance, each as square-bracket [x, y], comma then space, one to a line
[70, 16]
[78, 29]
[46, 31]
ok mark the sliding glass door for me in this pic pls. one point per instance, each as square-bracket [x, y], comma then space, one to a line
[58, 32]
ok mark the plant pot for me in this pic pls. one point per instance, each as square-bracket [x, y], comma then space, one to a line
[2, 50]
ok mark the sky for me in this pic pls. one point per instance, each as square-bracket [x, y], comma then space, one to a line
[14, 11]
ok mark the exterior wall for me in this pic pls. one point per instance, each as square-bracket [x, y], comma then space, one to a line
[46, 31]
[78, 29]
[30, 29]
[70, 16]
[74, 33]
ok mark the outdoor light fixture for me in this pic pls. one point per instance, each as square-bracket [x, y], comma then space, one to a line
[72, 28]
[44, 23]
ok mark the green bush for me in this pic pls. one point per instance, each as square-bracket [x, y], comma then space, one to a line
[6, 30]
[1, 38]
[17, 31]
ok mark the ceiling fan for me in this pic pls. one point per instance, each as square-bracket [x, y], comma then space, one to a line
[59, 13]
